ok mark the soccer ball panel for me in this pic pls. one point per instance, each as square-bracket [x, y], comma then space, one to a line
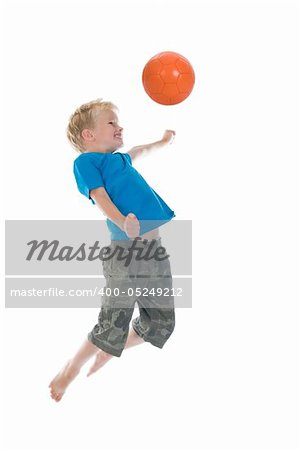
[185, 83]
[183, 65]
[169, 74]
[168, 58]
[154, 84]
[155, 66]
[170, 89]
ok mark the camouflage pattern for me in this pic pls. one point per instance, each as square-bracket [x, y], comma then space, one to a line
[156, 320]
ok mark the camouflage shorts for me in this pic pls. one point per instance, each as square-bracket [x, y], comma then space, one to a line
[130, 279]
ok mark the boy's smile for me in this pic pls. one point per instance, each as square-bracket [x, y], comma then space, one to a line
[107, 135]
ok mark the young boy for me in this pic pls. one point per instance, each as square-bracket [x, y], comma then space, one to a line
[134, 211]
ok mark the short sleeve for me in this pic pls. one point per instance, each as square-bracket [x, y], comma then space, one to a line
[128, 156]
[88, 176]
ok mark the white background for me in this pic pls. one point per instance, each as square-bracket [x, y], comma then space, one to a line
[228, 377]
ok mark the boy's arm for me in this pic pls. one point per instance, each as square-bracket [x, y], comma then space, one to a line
[143, 149]
[129, 224]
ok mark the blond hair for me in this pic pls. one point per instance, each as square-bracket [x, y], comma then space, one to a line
[85, 117]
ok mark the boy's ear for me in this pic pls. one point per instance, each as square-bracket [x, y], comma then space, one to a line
[87, 134]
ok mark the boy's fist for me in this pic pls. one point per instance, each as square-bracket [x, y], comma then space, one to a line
[131, 226]
[168, 136]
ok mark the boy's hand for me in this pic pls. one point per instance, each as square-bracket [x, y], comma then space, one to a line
[131, 226]
[168, 136]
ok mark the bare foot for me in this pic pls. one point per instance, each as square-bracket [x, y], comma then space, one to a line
[59, 384]
[100, 359]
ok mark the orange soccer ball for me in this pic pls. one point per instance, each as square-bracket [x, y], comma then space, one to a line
[168, 78]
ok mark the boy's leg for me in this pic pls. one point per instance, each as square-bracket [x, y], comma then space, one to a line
[72, 368]
[102, 357]
[115, 272]
[156, 320]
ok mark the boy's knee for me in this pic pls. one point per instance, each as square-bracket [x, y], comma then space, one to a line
[157, 332]
[171, 326]
[167, 319]
[168, 326]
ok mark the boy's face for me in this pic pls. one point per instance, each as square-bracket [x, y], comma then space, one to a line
[108, 134]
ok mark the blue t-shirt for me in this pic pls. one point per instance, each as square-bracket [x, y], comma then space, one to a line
[125, 186]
